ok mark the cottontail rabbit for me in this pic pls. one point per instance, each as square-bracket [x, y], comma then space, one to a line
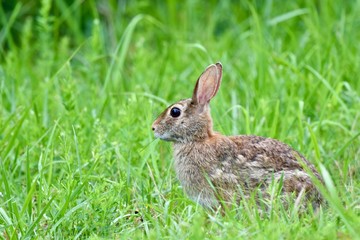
[213, 167]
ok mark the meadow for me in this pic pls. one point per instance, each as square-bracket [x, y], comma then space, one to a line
[82, 81]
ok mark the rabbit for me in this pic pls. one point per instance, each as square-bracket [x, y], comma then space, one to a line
[214, 169]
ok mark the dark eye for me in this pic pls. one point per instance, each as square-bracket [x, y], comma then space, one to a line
[175, 112]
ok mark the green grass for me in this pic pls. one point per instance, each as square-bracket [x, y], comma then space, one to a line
[82, 81]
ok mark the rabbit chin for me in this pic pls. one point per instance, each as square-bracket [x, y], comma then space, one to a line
[165, 137]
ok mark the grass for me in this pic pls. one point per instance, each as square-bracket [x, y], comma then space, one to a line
[81, 83]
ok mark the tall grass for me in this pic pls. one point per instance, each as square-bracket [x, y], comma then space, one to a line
[82, 81]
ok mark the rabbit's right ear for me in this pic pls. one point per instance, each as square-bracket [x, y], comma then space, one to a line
[208, 84]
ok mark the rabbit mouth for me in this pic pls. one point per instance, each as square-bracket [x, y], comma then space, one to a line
[166, 137]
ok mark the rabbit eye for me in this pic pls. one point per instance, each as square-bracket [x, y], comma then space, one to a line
[175, 112]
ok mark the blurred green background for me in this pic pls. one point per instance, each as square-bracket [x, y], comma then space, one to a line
[82, 81]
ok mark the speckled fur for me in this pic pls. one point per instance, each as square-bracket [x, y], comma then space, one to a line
[211, 166]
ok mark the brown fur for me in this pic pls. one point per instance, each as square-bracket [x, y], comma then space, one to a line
[213, 167]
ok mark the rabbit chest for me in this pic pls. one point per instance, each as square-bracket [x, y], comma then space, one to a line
[199, 167]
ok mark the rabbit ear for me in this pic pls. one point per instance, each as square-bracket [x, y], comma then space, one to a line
[208, 84]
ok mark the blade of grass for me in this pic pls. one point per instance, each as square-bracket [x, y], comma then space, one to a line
[11, 136]
[121, 49]
[8, 25]
[33, 225]
[326, 83]
[286, 16]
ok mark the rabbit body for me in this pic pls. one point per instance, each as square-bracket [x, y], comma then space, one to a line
[219, 166]
[212, 167]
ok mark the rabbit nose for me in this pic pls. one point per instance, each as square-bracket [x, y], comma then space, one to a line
[153, 126]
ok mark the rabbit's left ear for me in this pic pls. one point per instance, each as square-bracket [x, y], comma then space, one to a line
[208, 84]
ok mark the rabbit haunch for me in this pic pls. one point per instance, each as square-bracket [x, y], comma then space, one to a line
[213, 167]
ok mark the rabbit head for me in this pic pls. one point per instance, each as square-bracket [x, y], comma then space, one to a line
[189, 120]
